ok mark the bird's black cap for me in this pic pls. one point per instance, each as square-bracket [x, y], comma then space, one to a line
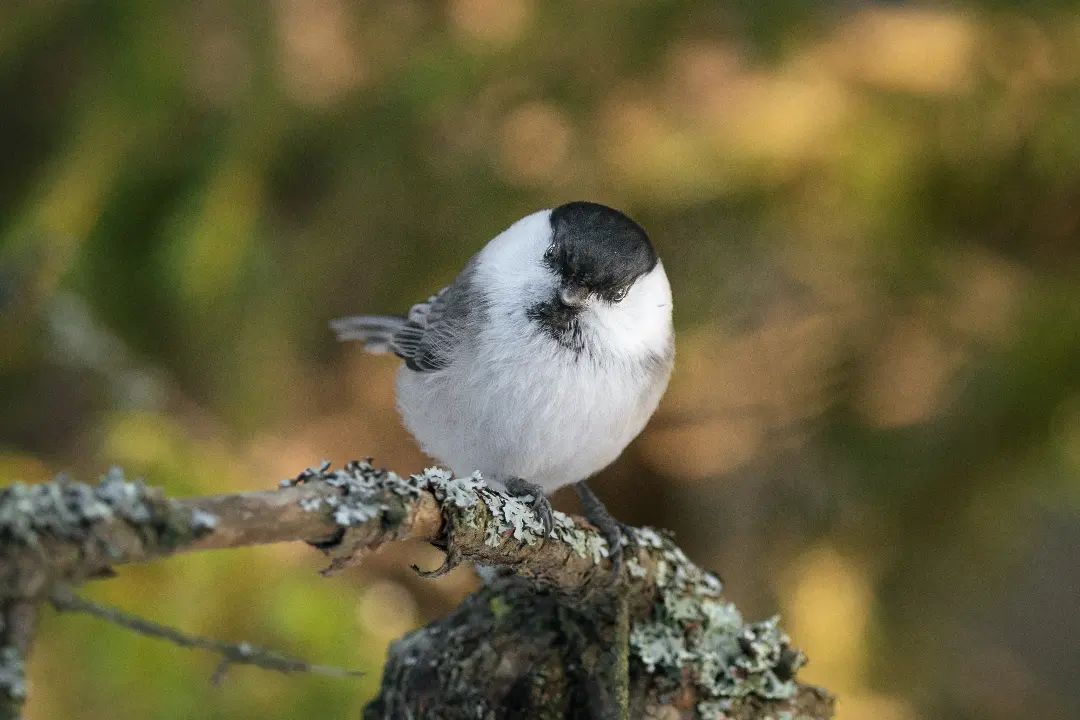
[598, 248]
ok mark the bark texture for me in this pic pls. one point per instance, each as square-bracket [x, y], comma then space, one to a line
[510, 651]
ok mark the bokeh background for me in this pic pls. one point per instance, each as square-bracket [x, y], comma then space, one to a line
[870, 213]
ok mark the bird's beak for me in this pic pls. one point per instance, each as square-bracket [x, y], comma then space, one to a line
[573, 295]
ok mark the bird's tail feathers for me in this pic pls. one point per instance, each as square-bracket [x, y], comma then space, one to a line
[376, 332]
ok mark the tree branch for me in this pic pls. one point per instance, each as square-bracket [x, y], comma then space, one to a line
[687, 647]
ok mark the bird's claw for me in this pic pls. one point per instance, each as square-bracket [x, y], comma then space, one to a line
[542, 507]
[539, 503]
[611, 529]
[613, 534]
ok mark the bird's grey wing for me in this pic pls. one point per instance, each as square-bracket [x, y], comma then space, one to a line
[436, 329]
[428, 338]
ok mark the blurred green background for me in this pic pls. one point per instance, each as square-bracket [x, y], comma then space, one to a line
[869, 211]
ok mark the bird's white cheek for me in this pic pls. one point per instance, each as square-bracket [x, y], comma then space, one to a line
[640, 323]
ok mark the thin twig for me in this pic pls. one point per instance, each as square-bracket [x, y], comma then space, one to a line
[231, 654]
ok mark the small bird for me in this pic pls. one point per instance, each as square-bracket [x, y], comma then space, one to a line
[541, 361]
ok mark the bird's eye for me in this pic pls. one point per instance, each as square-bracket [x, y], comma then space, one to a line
[619, 294]
[549, 254]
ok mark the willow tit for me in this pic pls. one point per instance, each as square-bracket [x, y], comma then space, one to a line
[542, 360]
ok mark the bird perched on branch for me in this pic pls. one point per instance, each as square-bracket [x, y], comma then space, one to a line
[542, 360]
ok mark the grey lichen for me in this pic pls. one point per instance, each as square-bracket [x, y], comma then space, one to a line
[463, 497]
[12, 674]
[495, 529]
[693, 634]
[67, 510]
[509, 516]
[203, 521]
[362, 489]
[306, 474]
[657, 645]
[355, 514]
[459, 492]
[520, 521]
[585, 544]
[709, 709]
[636, 569]
[363, 498]
[512, 517]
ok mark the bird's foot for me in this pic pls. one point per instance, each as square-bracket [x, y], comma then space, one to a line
[539, 503]
[612, 530]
